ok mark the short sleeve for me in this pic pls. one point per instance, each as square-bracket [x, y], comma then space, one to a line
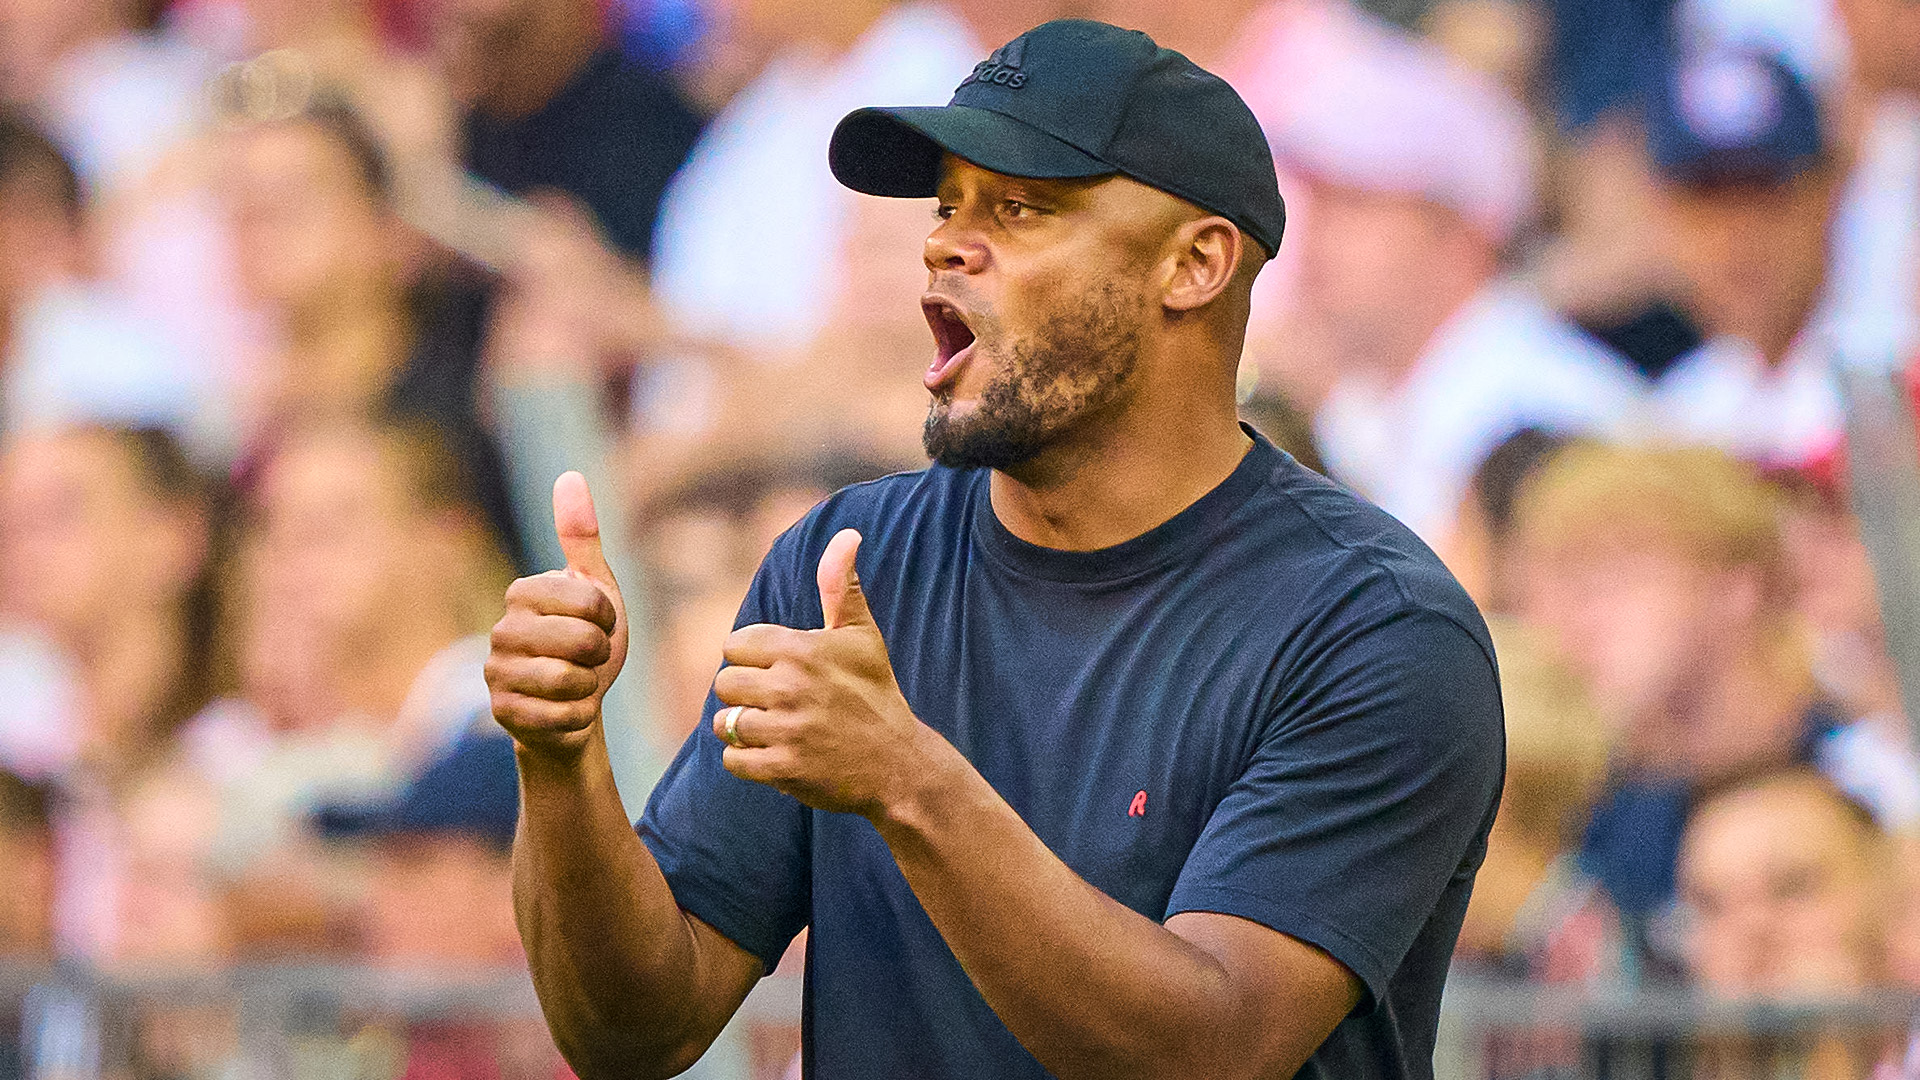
[737, 853]
[1370, 789]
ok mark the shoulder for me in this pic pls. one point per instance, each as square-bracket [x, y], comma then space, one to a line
[1352, 565]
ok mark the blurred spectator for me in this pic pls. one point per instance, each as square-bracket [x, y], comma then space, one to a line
[1884, 39]
[1748, 185]
[71, 350]
[357, 325]
[1786, 885]
[1659, 572]
[105, 545]
[440, 901]
[441, 877]
[1534, 913]
[116, 96]
[1839, 612]
[364, 580]
[1418, 173]
[552, 104]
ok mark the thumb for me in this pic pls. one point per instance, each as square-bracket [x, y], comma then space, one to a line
[841, 601]
[578, 528]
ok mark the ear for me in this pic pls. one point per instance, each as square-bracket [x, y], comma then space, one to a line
[1206, 252]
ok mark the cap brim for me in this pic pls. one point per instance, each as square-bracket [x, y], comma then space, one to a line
[897, 151]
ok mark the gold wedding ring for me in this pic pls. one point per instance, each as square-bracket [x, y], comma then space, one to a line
[728, 727]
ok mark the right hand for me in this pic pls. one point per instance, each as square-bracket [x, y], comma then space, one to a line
[563, 638]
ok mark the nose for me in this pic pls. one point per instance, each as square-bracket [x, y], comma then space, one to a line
[954, 248]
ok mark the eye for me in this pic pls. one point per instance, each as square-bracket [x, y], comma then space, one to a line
[943, 211]
[1016, 208]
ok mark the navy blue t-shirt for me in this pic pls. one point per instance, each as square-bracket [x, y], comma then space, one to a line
[1276, 705]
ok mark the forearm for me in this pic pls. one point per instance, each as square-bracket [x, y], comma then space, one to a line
[614, 959]
[1090, 987]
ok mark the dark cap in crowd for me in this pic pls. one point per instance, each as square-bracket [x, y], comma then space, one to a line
[471, 790]
[1077, 98]
[1733, 117]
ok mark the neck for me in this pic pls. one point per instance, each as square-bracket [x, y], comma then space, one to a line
[1112, 484]
[561, 36]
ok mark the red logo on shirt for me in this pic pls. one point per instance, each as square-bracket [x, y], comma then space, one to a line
[1138, 807]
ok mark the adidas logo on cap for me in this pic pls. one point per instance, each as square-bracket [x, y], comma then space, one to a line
[1002, 68]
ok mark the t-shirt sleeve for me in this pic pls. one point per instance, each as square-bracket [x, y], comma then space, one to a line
[736, 853]
[1369, 790]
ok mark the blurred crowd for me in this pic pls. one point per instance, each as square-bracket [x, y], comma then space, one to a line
[305, 303]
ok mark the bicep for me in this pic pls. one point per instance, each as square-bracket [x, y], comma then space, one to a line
[1284, 996]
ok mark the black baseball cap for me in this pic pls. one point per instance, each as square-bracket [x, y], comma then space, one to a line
[1078, 98]
[1733, 116]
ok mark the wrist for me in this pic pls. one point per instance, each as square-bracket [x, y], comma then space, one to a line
[561, 756]
[927, 790]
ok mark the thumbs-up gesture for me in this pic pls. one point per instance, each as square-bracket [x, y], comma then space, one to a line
[817, 713]
[563, 637]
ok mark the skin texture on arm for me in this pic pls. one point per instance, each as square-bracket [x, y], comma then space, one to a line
[1089, 987]
[631, 985]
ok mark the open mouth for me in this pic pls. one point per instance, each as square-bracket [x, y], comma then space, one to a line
[952, 338]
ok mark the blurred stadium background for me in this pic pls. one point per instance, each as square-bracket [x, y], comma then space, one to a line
[304, 303]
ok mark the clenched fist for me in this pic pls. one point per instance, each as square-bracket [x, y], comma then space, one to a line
[563, 638]
[819, 714]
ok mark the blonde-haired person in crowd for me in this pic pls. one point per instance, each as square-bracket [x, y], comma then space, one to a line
[1659, 573]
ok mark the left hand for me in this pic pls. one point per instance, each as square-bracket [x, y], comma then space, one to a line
[825, 721]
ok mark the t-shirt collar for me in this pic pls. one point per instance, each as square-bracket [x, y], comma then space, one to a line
[1184, 532]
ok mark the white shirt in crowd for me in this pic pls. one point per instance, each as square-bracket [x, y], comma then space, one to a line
[1503, 362]
[751, 231]
[1725, 394]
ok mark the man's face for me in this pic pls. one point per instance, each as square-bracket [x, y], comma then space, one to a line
[1783, 893]
[1754, 257]
[1039, 298]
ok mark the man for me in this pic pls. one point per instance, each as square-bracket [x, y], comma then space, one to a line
[1418, 173]
[1130, 747]
[1747, 186]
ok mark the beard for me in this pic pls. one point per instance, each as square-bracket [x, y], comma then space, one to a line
[1072, 367]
